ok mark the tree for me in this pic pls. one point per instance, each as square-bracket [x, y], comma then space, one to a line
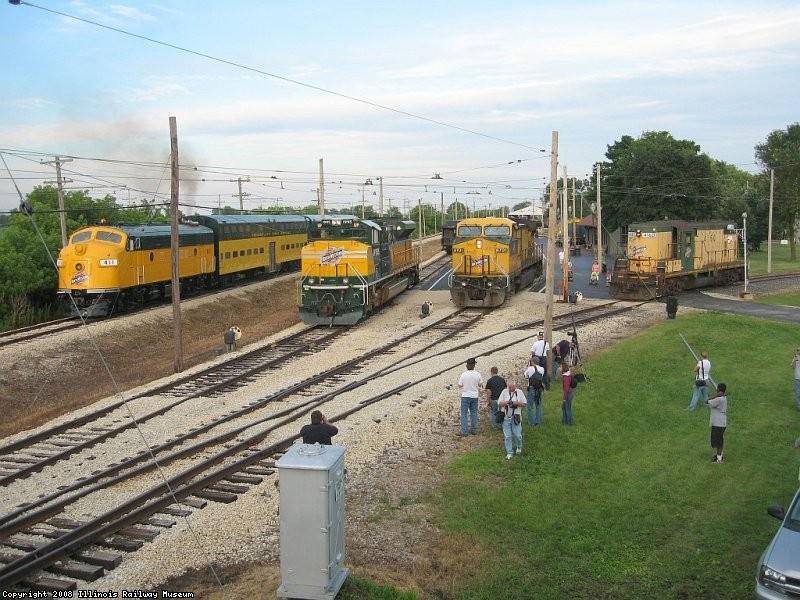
[781, 153]
[656, 177]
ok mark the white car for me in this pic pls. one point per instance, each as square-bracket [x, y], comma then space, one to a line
[778, 572]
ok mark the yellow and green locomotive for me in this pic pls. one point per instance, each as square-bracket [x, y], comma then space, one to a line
[106, 269]
[493, 258]
[352, 266]
[666, 257]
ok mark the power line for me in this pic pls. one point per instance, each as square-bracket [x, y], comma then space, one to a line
[282, 78]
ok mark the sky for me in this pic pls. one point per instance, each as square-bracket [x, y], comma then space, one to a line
[439, 101]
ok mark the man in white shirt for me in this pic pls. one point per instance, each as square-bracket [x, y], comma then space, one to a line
[701, 381]
[470, 383]
[540, 350]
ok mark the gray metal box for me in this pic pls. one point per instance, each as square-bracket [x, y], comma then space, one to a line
[312, 521]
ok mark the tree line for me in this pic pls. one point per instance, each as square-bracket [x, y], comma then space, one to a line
[652, 177]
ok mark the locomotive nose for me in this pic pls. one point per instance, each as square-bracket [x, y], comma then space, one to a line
[326, 309]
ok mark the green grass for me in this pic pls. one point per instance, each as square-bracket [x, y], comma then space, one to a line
[781, 262]
[784, 299]
[627, 504]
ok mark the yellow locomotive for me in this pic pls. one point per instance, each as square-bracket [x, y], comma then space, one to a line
[492, 258]
[352, 266]
[666, 257]
[106, 269]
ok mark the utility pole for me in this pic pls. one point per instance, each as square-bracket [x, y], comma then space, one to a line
[60, 183]
[419, 217]
[241, 194]
[380, 199]
[565, 239]
[321, 192]
[175, 247]
[551, 252]
[574, 216]
[769, 228]
[600, 253]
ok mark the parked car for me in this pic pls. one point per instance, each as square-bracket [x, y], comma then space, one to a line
[778, 572]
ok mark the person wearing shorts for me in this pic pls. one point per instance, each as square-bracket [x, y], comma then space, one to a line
[718, 403]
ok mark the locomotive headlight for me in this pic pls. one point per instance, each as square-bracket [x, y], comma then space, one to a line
[479, 243]
[108, 262]
[346, 280]
[79, 267]
[489, 284]
[59, 263]
[311, 280]
[463, 284]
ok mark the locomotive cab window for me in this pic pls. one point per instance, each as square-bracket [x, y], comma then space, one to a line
[497, 231]
[469, 231]
[108, 236]
[81, 236]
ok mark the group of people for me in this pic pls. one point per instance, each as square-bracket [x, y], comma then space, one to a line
[717, 403]
[506, 400]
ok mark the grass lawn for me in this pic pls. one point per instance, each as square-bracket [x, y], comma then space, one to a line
[781, 261]
[627, 504]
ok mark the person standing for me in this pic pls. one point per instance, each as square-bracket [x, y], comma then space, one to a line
[511, 402]
[319, 431]
[539, 350]
[494, 387]
[534, 375]
[470, 383]
[796, 367]
[702, 376]
[568, 384]
[718, 403]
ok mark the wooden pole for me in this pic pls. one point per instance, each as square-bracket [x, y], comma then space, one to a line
[321, 192]
[175, 247]
[551, 252]
[565, 240]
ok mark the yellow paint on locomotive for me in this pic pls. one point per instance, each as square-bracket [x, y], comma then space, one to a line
[482, 256]
[253, 253]
[337, 258]
[715, 247]
[405, 255]
[651, 252]
[108, 265]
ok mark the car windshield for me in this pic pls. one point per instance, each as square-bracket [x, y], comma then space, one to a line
[792, 520]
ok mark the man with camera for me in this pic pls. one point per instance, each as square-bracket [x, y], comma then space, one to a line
[319, 431]
[511, 402]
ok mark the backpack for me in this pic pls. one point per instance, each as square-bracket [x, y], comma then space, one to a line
[536, 381]
[573, 382]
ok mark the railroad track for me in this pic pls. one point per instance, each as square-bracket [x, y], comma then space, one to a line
[46, 544]
[432, 268]
[38, 535]
[32, 332]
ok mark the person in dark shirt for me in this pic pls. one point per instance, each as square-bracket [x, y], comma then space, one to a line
[494, 387]
[319, 431]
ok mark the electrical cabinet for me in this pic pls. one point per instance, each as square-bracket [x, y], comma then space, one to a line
[311, 482]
